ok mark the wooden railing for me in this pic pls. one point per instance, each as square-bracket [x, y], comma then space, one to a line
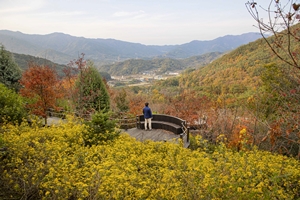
[186, 133]
[126, 122]
[62, 114]
[169, 123]
[54, 113]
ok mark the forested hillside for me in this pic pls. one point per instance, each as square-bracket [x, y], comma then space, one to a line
[159, 65]
[22, 60]
[236, 72]
[247, 87]
[239, 71]
[128, 67]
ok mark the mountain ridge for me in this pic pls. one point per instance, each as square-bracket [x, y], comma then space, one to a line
[62, 48]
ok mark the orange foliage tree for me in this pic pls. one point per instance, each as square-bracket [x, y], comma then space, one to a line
[136, 104]
[188, 105]
[41, 85]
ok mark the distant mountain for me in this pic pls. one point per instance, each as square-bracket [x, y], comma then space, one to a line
[62, 48]
[159, 65]
[221, 44]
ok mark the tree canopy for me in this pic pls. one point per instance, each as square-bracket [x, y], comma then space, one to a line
[10, 73]
[92, 92]
[41, 85]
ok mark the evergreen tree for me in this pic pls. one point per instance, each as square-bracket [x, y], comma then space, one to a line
[101, 128]
[10, 73]
[122, 101]
[92, 93]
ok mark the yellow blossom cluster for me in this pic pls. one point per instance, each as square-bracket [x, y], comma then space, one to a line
[55, 162]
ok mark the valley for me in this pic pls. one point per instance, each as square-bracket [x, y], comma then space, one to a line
[223, 114]
[143, 79]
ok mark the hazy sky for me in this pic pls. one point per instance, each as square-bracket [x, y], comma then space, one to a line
[150, 22]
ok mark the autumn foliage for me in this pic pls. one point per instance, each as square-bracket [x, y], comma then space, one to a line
[42, 87]
[87, 92]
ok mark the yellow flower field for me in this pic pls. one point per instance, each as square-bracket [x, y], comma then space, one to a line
[54, 163]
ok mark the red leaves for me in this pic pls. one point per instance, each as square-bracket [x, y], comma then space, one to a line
[293, 91]
[296, 6]
[253, 4]
[40, 83]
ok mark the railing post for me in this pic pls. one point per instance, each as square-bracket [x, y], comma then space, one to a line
[188, 133]
[181, 137]
[126, 125]
[137, 122]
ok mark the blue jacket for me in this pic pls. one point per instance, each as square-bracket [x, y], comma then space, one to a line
[147, 112]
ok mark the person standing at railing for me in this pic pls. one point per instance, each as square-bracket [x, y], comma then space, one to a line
[148, 116]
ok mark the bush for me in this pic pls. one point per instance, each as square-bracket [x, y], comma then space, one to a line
[11, 105]
[54, 163]
[101, 129]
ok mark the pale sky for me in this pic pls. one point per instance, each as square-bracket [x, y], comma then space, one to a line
[150, 22]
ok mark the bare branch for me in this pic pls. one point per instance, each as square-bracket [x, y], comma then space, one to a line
[281, 19]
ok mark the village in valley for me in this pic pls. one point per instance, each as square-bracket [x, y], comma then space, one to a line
[145, 78]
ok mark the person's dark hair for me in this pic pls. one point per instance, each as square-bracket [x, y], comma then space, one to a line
[146, 104]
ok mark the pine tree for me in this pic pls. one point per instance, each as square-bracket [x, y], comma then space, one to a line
[10, 73]
[92, 93]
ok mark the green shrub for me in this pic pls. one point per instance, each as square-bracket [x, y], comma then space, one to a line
[12, 106]
[101, 129]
